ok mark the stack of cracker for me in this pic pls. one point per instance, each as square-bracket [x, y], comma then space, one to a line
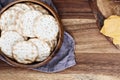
[28, 33]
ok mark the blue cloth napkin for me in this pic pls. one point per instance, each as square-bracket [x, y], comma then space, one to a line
[64, 58]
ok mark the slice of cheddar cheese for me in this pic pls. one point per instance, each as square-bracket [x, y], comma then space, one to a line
[111, 28]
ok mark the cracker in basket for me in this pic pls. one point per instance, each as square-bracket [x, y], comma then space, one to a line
[7, 40]
[7, 19]
[30, 5]
[9, 16]
[52, 44]
[18, 25]
[16, 8]
[43, 49]
[23, 6]
[10, 21]
[25, 52]
[40, 8]
[46, 28]
[28, 21]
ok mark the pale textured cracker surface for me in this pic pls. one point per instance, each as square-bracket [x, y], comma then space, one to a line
[43, 49]
[40, 8]
[46, 27]
[52, 44]
[25, 52]
[23, 6]
[28, 21]
[17, 8]
[8, 19]
[30, 5]
[7, 40]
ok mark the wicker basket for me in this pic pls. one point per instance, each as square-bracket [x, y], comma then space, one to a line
[60, 36]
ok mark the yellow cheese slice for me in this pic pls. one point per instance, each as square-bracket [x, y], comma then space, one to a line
[116, 41]
[111, 28]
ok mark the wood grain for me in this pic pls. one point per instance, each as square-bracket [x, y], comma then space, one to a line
[74, 9]
[88, 38]
[97, 59]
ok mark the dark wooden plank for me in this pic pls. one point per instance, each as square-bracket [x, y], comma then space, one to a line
[82, 15]
[74, 8]
[82, 6]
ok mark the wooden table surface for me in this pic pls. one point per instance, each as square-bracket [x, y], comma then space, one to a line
[97, 59]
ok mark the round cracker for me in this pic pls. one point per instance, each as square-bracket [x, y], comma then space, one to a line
[46, 28]
[19, 25]
[25, 52]
[39, 8]
[23, 6]
[28, 21]
[44, 49]
[8, 18]
[52, 44]
[7, 40]
[10, 21]
[25, 38]
[30, 5]
[16, 8]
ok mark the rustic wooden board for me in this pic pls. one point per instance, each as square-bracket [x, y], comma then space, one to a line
[97, 59]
